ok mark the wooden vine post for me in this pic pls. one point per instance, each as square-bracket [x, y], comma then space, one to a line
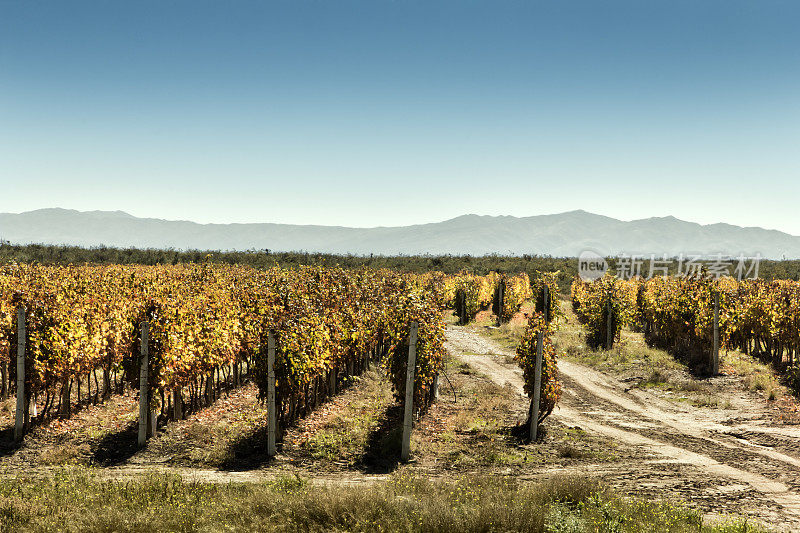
[537, 372]
[4, 386]
[715, 352]
[144, 396]
[537, 387]
[409, 404]
[461, 306]
[20, 413]
[546, 300]
[177, 404]
[332, 379]
[609, 333]
[272, 419]
[152, 423]
[501, 295]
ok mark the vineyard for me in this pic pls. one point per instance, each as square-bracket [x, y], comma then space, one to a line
[757, 317]
[207, 326]
[324, 355]
[470, 294]
[210, 327]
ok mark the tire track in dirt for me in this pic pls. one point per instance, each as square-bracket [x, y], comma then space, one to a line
[659, 410]
[681, 429]
[598, 403]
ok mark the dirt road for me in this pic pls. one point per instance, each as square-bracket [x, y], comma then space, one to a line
[720, 461]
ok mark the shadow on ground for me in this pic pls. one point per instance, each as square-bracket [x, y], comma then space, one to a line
[382, 453]
[247, 452]
[115, 448]
[7, 443]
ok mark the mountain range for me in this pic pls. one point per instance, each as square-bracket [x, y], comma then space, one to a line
[564, 234]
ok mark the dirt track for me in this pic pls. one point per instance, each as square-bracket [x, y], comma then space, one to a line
[717, 463]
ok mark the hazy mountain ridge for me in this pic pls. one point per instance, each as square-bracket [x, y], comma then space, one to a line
[563, 234]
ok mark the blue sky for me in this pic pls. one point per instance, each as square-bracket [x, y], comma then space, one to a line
[399, 112]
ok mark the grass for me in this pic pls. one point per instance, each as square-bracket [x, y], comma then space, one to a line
[345, 434]
[79, 439]
[7, 408]
[756, 375]
[230, 433]
[474, 429]
[695, 392]
[61, 455]
[651, 367]
[629, 355]
[233, 435]
[74, 499]
[358, 430]
[215, 436]
[507, 335]
[632, 355]
[350, 433]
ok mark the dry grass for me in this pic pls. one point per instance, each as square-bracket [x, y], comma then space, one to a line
[756, 375]
[342, 433]
[74, 500]
[61, 455]
[632, 360]
[482, 430]
[471, 429]
[232, 432]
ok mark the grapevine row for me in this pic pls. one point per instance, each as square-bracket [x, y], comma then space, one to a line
[469, 294]
[758, 317]
[205, 321]
[543, 321]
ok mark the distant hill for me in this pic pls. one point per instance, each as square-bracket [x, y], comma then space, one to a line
[564, 234]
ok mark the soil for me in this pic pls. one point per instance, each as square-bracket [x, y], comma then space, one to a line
[718, 460]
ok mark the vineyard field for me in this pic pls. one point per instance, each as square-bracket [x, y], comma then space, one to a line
[208, 323]
[341, 346]
[758, 317]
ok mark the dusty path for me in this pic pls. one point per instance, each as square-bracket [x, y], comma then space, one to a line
[716, 463]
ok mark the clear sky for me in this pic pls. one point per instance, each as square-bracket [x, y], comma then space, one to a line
[398, 112]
